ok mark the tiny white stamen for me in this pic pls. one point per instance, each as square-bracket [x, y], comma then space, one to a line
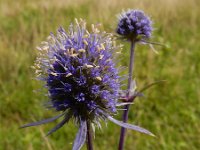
[85, 42]
[108, 60]
[54, 74]
[39, 48]
[33, 67]
[51, 66]
[49, 38]
[101, 56]
[93, 28]
[69, 74]
[98, 78]
[45, 47]
[98, 48]
[76, 20]
[81, 50]
[67, 51]
[102, 47]
[74, 55]
[38, 71]
[71, 50]
[65, 68]
[87, 32]
[38, 75]
[62, 47]
[89, 66]
[44, 42]
[118, 52]
[86, 36]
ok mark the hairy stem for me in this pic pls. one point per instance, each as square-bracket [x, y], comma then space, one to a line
[126, 108]
[89, 136]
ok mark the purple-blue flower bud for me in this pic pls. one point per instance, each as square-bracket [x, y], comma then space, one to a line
[134, 23]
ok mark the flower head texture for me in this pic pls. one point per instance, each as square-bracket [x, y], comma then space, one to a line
[78, 70]
[134, 23]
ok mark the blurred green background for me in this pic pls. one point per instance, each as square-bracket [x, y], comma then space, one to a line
[171, 110]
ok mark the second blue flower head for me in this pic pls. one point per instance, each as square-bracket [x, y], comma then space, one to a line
[134, 23]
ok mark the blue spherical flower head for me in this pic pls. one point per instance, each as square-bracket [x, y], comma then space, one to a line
[80, 72]
[81, 77]
[134, 25]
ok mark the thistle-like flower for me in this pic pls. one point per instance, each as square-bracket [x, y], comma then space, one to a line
[134, 25]
[81, 78]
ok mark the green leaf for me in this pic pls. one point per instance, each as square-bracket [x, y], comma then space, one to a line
[150, 85]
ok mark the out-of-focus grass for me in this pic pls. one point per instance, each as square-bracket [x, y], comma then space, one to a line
[171, 110]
